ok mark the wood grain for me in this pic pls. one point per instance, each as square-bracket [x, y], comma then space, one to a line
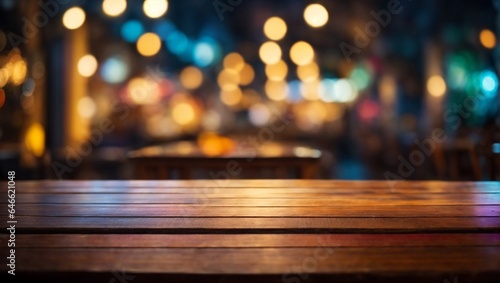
[213, 230]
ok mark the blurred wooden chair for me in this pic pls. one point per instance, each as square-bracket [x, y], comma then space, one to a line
[458, 160]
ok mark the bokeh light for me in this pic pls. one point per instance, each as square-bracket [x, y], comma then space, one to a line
[86, 107]
[183, 113]
[309, 72]
[259, 114]
[326, 91]
[270, 52]
[231, 97]
[228, 79]
[360, 77]
[74, 18]
[275, 28]
[163, 28]
[149, 44]
[234, 61]
[143, 91]
[489, 83]
[177, 43]
[87, 65]
[247, 75]
[368, 110]
[155, 8]
[294, 91]
[310, 90]
[301, 53]
[436, 86]
[132, 30]
[114, 70]
[487, 38]
[18, 72]
[204, 54]
[278, 71]
[191, 77]
[35, 139]
[114, 8]
[344, 90]
[316, 15]
[276, 90]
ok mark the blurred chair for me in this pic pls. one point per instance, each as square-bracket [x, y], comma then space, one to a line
[458, 159]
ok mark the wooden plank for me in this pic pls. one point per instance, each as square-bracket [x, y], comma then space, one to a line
[158, 210]
[255, 225]
[262, 260]
[254, 240]
[390, 199]
[255, 184]
[255, 190]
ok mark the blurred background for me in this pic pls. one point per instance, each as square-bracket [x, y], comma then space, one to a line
[384, 89]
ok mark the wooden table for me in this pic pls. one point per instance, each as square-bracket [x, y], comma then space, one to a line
[255, 231]
[244, 161]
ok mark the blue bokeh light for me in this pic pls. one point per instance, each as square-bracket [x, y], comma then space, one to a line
[489, 83]
[132, 30]
[177, 42]
[206, 52]
[114, 70]
[294, 91]
[164, 28]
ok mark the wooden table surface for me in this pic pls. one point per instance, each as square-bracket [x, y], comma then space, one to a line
[255, 231]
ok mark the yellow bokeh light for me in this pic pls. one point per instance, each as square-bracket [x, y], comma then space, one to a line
[309, 72]
[316, 112]
[276, 90]
[183, 113]
[149, 44]
[275, 28]
[19, 72]
[155, 8]
[191, 77]
[86, 107]
[214, 145]
[247, 75]
[114, 8]
[301, 53]
[277, 72]
[87, 65]
[311, 90]
[143, 91]
[234, 61]
[228, 79]
[231, 97]
[316, 15]
[270, 53]
[35, 139]
[74, 18]
[436, 86]
[488, 38]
